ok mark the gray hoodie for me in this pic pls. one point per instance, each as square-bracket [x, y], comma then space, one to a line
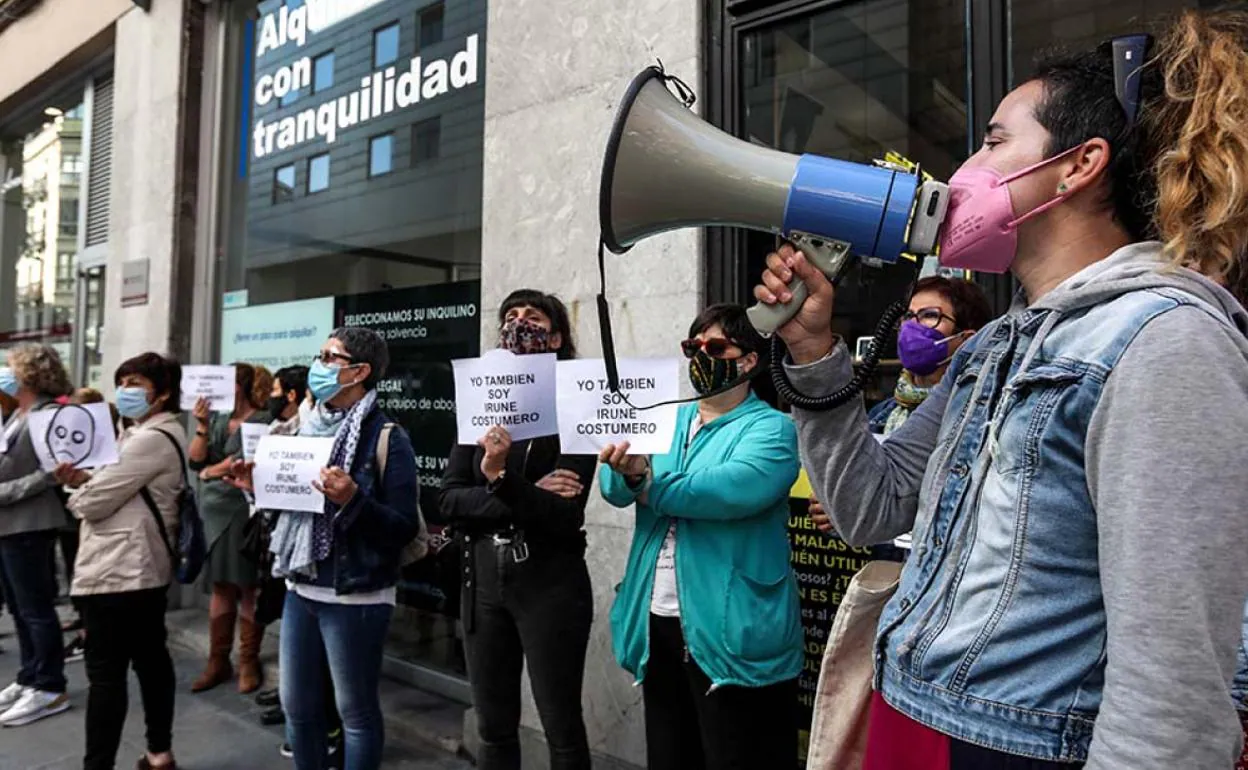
[1173, 571]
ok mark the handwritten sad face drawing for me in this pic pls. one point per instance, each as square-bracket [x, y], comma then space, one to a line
[71, 434]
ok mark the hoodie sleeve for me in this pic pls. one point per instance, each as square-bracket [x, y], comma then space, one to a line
[1165, 459]
[869, 489]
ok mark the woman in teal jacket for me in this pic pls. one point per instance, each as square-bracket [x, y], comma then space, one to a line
[707, 617]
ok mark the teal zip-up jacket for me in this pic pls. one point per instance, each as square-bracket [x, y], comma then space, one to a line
[728, 492]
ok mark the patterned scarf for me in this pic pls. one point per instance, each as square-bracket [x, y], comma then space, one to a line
[908, 397]
[301, 538]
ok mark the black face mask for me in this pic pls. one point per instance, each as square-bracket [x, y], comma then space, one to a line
[277, 405]
[710, 374]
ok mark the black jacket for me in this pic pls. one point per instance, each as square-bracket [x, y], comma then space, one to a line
[548, 520]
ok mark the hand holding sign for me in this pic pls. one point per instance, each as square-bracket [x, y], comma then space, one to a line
[617, 458]
[336, 485]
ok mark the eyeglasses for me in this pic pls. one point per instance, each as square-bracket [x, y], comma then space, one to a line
[329, 357]
[929, 317]
[715, 347]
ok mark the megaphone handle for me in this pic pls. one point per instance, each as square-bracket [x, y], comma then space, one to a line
[830, 257]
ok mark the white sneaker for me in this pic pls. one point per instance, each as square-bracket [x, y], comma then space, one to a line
[33, 706]
[10, 695]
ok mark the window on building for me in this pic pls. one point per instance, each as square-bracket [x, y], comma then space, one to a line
[381, 155]
[71, 168]
[386, 45]
[426, 140]
[293, 4]
[318, 173]
[69, 217]
[322, 72]
[431, 24]
[289, 98]
[284, 184]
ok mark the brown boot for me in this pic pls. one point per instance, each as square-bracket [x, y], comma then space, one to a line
[218, 670]
[250, 677]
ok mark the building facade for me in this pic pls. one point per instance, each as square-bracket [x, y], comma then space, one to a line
[228, 180]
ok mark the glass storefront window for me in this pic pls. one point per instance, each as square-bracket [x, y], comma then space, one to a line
[360, 204]
[856, 82]
[41, 172]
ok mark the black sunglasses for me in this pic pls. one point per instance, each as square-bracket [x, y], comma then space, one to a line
[929, 317]
[1130, 54]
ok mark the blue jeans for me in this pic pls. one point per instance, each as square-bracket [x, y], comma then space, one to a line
[351, 638]
[28, 577]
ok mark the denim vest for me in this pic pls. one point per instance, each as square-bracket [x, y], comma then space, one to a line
[996, 634]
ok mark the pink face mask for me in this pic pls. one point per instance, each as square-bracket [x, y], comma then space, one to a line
[980, 231]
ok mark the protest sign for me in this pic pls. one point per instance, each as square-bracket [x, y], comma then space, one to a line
[285, 468]
[591, 416]
[215, 383]
[79, 434]
[252, 433]
[504, 389]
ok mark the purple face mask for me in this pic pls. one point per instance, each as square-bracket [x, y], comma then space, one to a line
[922, 350]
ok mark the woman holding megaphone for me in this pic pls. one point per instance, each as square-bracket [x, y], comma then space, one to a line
[1055, 610]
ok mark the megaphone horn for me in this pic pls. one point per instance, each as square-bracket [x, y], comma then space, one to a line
[665, 168]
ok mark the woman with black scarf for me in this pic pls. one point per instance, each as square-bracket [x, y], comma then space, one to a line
[519, 509]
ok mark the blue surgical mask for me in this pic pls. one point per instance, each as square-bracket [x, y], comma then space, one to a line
[132, 403]
[8, 381]
[323, 381]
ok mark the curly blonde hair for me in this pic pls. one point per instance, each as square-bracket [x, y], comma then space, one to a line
[1201, 129]
[39, 368]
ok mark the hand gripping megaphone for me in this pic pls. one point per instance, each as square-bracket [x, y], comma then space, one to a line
[665, 168]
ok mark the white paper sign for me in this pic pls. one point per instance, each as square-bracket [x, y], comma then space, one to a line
[215, 383]
[591, 416]
[501, 388]
[285, 468]
[79, 434]
[252, 433]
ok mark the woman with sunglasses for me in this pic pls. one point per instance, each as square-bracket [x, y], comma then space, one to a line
[1076, 586]
[519, 509]
[707, 616]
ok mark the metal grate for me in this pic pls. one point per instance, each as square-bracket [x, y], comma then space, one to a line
[99, 175]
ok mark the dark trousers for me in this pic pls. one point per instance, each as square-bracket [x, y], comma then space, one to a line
[27, 561]
[126, 629]
[68, 539]
[538, 611]
[689, 727]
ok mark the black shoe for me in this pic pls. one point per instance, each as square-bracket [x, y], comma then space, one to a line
[286, 751]
[268, 698]
[75, 650]
[273, 716]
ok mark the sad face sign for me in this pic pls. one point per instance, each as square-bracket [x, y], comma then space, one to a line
[80, 435]
[71, 435]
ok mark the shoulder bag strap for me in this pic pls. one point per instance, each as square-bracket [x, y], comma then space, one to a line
[151, 503]
[383, 450]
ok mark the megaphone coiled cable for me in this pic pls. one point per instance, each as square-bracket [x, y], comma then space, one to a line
[862, 373]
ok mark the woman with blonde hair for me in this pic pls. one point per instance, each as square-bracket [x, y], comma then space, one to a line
[1074, 594]
[30, 514]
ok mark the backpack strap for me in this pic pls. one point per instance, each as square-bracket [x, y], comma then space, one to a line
[383, 450]
[146, 494]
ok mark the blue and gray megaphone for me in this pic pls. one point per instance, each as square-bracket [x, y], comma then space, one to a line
[666, 168]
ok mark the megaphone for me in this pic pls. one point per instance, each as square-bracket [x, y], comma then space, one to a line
[665, 168]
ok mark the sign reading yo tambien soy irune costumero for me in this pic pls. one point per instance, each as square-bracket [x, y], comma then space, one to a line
[591, 416]
[285, 468]
[504, 389]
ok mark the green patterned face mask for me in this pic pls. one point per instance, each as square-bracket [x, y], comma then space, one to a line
[710, 374]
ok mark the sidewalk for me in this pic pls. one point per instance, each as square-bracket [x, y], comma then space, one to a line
[217, 730]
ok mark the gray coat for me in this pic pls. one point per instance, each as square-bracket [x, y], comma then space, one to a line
[28, 499]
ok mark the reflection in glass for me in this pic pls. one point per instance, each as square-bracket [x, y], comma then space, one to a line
[381, 155]
[385, 45]
[283, 183]
[323, 72]
[426, 140]
[431, 24]
[318, 173]
[40, 180]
